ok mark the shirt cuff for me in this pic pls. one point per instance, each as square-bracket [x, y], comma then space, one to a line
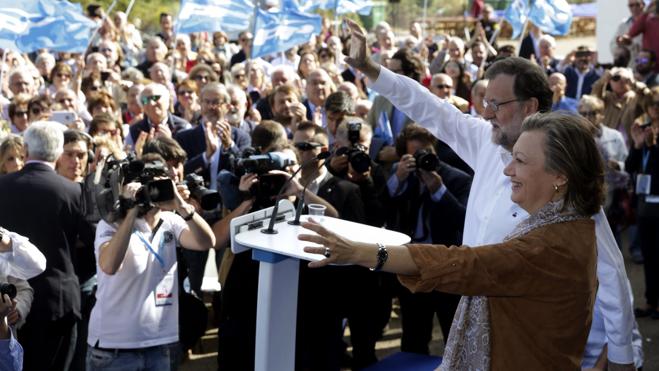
[620, 354]
[394, 186]
[383, 82]
[437, 196]
[207, 161]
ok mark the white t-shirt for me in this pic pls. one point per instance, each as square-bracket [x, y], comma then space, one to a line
[127, 313]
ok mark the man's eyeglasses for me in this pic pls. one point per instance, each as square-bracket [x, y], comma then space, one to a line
[63, 75]
[20, 113]
[443, 86]
[150, 98]
[307, 146]
[185, 92]
[616, 78]
[494, 106]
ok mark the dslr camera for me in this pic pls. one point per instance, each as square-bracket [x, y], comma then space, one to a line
[426, 160]
[7, 289]
[118, 173]
[357, 155]
[205, 197]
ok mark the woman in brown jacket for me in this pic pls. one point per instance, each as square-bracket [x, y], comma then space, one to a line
[528, 301]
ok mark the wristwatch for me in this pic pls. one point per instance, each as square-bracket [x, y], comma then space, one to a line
[383, 255]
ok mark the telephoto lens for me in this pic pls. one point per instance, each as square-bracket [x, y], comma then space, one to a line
[8, 289]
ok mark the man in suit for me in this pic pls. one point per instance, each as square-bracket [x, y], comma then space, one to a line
[46, 208]
[579, 72]
[319, 87]
[212, 142]
[155, 101]
[344, 289]
[530, 44]
[430, 206]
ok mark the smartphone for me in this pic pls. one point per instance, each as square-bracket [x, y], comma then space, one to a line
[64, 117]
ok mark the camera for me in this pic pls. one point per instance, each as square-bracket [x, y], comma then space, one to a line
[426, 160]
[268, 185]
[357, 154]
[8, 289]
[207, 199]
[117, 173]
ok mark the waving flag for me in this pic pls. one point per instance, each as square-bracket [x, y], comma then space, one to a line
[279, 31]
[230, 16]
[362, 7]
[51, 24]
[516, 14]
[553, 17]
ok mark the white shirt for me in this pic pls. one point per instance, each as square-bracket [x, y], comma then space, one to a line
[23, 261]
[127, 314]
[491, 215]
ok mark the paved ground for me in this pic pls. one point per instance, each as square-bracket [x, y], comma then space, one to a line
[204, 356]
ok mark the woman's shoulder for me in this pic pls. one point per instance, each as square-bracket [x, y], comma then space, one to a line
[567, 232]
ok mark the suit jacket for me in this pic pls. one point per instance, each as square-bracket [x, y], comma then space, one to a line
[193, 142]
[307, 105]
[175, 124]
[380, 104]
[572, 79]
[46, 208]
[445, 218]
[345, 197]
[527, 49]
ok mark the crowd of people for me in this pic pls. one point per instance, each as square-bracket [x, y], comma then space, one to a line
[123, 166]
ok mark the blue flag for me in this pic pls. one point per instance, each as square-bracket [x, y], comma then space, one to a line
[553, 17]
[230, 16]
[279, 31]
[362, 7]
[516, 14]
[51, 24]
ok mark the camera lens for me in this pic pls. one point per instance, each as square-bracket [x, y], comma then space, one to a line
[426, 160]
[8, 289]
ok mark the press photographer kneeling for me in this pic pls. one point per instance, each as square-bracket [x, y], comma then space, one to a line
[134, 324]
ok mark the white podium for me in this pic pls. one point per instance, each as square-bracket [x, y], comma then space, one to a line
[279, 256]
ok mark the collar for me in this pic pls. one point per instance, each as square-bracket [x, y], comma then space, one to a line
[163, 122]
[49, 164]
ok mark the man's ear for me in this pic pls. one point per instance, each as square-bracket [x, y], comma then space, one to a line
[532, 106]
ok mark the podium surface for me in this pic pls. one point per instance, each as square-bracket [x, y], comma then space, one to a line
[279, 255]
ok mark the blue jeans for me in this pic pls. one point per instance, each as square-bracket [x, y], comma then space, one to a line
[158, 358]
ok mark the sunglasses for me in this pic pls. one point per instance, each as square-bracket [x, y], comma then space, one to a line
[20, 113]
[443, 86]
[185, 92]
[36, 111]
[63, 75]
[588, 113]
[151, 98]
[307, 146]
[616, 78]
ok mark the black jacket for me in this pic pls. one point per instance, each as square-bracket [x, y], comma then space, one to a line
[46, 208]
[175, 124]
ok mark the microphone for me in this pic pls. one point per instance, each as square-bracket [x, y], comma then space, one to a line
[271, 225]
[300, 205]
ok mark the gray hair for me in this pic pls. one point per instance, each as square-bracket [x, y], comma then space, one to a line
[237, 90]
[44, 140]
[549, 39]
[216, 87]
[155, 89]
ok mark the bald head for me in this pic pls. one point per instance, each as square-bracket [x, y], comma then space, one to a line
[441, 85]
[557, 81]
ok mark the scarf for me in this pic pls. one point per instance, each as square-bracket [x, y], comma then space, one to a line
[468, 344]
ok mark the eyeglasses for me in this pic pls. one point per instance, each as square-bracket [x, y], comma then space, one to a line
[212, 102]
[150, 98]
[201, 77]
[616, 78]
[239, 76]
[36, 111]
[495, 106]
[443, 86]
[185, 92]
[103, 50]
[64, 100]
[20, 113]
[63, 75]
[95, 87]
[589, 113]
[307, 146]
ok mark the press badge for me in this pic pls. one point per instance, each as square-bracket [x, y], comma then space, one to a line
[643, 182]
[165, 291]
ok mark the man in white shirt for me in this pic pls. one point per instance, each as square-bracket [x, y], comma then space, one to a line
[517, 89]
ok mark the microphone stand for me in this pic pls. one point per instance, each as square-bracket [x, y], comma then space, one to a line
[300, 205]
[271, 225]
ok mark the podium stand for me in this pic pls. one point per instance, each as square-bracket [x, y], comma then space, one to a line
[279, 256]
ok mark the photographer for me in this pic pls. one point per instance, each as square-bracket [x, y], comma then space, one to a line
[136, 314]
[351, 162]
[431, 198]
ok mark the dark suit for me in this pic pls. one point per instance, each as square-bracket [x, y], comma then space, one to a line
[193, 141]
[310, 110]
[572, 78]
[46, 208]
[444, 222]
[174, 123]
[381, 104]
[527, 49]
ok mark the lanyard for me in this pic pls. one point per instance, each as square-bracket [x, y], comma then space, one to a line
[646, 158]
[150, 248]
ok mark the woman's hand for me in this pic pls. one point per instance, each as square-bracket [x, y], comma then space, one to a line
[336, 249]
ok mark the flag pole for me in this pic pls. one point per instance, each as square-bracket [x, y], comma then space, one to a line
[129, 8]
[521, 36]
[496, 32]
[107, 12]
